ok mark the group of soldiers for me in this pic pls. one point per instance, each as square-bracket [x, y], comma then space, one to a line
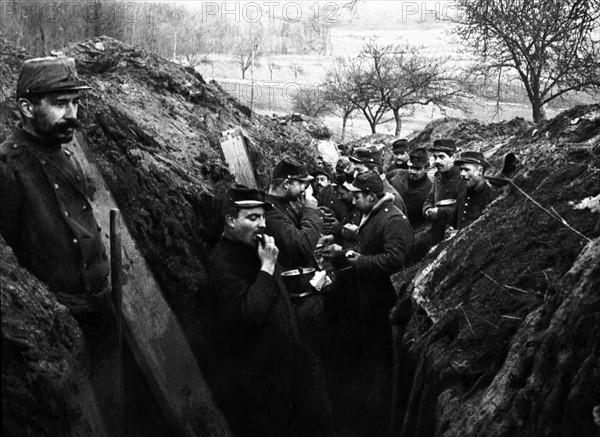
[360, 224]
[276, 355]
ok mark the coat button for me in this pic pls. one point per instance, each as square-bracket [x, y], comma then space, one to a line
[67, 214]
[84, 207]
[75, 241]
[85, 266]
[44, 161]
[56, 186]
[15, 146]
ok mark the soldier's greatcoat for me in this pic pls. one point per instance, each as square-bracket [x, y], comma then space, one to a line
[265, 379]
[47, 219]
[296, 230]
[446, 185]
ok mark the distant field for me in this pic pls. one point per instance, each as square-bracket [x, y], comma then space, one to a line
[276, 96]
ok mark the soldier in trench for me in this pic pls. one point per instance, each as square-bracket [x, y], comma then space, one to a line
[265, 378]
[385, 245]
[46, 215]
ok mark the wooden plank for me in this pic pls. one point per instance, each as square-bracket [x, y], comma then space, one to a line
[236, 155]
[154, 333]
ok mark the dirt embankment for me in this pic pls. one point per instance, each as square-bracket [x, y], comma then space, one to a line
[153, 128]
[502, 338]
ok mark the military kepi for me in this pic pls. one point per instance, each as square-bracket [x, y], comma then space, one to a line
[369, 182]
[419, 158]
[289, 168]
[445, 145]
[366, 156]
[400, 145]
[48, 75]
[472, 158]
[241, 196]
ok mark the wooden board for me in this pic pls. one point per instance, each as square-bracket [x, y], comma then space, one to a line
[154, 333]
[236, 155]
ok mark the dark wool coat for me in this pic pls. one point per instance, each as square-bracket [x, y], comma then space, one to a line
[328, 197]
[471, 203]
[385, 243]
[446, 185]
[397, 201]
[414, 194]
[47, 219]
[296, 230]
[265, 379]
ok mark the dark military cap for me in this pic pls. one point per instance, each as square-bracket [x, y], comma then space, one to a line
[369, 182]
[400, 145]
[471, 158]
[443, 145]
[48, 75]
[241, 196]
[366, 156]
[324, 170]
[419, 158]
[289, 168]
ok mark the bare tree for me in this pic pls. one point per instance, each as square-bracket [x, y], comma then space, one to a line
[310, 101]
[407, 77]
[338, 91]
[272, 66]
[552, 45]
[296, 69]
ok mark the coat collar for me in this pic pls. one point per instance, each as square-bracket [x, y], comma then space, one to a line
[385, 200]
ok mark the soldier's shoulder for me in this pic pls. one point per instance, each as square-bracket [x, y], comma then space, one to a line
[10, 149]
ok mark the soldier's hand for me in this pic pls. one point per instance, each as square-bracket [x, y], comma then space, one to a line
[331, 250]
[431, 214]
[352, 257]
[450, 233]
[350, 231]
[268, 253]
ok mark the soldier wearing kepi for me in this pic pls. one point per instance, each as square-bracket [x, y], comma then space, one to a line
[446, 186]
[265, 379]
[46, 216]
[385, 245]
[477, 193]
[400, 156]
[414, 186]
[295, 221]
[47, 219]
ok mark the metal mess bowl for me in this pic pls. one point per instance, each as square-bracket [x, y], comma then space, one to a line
[446, 202]
[297, 281]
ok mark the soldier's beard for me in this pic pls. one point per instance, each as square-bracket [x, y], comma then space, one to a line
[61, 131]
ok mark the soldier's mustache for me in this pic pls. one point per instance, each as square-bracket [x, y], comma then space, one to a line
[71, 123]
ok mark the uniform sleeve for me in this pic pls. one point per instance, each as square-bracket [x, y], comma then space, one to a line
[430, 199]
[243, 302]
[11, 201]
[397, 247]
[296, 243]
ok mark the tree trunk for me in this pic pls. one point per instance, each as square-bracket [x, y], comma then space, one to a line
[344, 121]
[539, 113]
[398, 119]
